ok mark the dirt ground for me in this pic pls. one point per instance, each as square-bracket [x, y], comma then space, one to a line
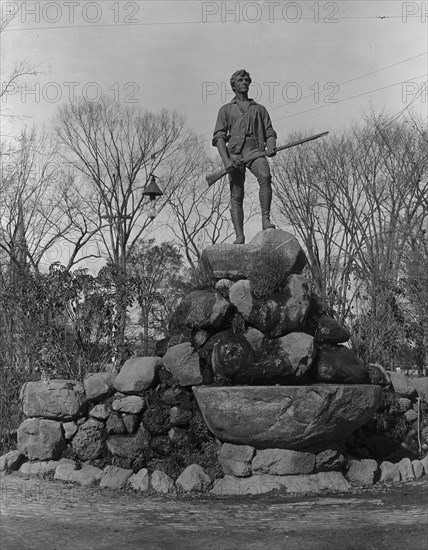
[46, 515]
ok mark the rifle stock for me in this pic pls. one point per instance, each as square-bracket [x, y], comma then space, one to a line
[212, 178]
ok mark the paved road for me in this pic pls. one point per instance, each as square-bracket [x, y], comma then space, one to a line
[47, 515]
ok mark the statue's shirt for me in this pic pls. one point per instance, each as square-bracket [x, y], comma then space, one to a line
[233, 125]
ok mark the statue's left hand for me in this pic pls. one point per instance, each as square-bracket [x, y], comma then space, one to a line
[271, 151]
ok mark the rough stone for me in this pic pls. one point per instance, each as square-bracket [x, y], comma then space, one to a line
[418, 468]
[183, 363]
[193, 479]
[421, 386]
[202, 310]
[88, 443]
[131, 404]
[361, 473]
[131, 422]
[54, 399]
[236, 459]
[330, 331]
[40, 439]
[424, 462]
[389, 472]
[114, 477]
[161, 482]
[281, 462]
[137, 374]
[405, 468]
[410, 416]
[115, 424]
[254, 337]
[329, 460]
[100, 412]
[404, 404]
[278, 314]
[11, 461]
[130, 446]
[179, 417]
[228, 261]
[177, 434]
[140, 481]
[402, 384]
[70, 429]
[65, 471]
[175, 396]
[99, 386]
[294, 352]
[339, 365]
[295, 484]
[378, 375]
[286, 417]
[223, 285]
[38, 468]
[88, 475]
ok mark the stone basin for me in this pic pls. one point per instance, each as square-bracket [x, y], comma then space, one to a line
[286, 417]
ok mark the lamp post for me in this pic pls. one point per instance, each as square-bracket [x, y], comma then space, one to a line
[153, 192]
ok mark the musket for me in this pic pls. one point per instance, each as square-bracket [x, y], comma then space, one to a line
[212, 178]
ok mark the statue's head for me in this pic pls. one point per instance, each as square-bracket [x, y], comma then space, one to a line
[236, 74]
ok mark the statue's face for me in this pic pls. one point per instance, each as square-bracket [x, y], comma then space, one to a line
[242, 83]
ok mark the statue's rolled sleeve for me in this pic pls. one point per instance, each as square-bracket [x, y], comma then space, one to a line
[267, 123]
[221, 129]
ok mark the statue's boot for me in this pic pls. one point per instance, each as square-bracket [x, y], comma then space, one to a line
[237, 215]
[265, 196]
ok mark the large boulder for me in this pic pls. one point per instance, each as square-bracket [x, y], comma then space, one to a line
[130, 446]
[182, 361]
[277, 248]
[40, 439]
[330, 331]
[137, 374]
[54, 399]
[286, 417]
[279, 313]
[99, 385]
[339, 365]
[202, 310]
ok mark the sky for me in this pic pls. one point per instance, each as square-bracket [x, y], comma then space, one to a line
[316, 65]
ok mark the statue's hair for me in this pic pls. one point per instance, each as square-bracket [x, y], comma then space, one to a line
[241, 72]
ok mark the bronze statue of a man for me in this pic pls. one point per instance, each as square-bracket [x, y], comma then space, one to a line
[245, 127]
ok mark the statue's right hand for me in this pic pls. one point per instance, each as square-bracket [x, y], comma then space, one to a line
[229, 164]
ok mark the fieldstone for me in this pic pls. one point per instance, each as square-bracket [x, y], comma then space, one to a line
[282, 462]
[410, 416]
[329, 460]
[199, 338]
[65, 471]
[99, 386]
[131, 422]
[11, 461]
[339, 365]
[330, 331]
[404, 404]
[161, 482]
[177, 434]
[389, 472]
[421, 386]
[223, 285]
[402, 384]
[114, 477]
[278, 314]
[236, 459]
[424, 462]
[232, 357]
[286, 417]
[418, 468]
[100, 412]
[115, 424]
[137, 374]
[361, 473]
[70, 429]
[40, 439]
[405, 468]
[88, 443]
[179, 418]
[38, 468]
[294, 353]
[254, 337]
[297, 484]
[140, 481]
[131, 404]
[54, 399]
[130, 446]
[88, 475]
[175, 396]
[193, 479]
[202, 310]
[183, 363]
[228, 261]
[378, 375]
